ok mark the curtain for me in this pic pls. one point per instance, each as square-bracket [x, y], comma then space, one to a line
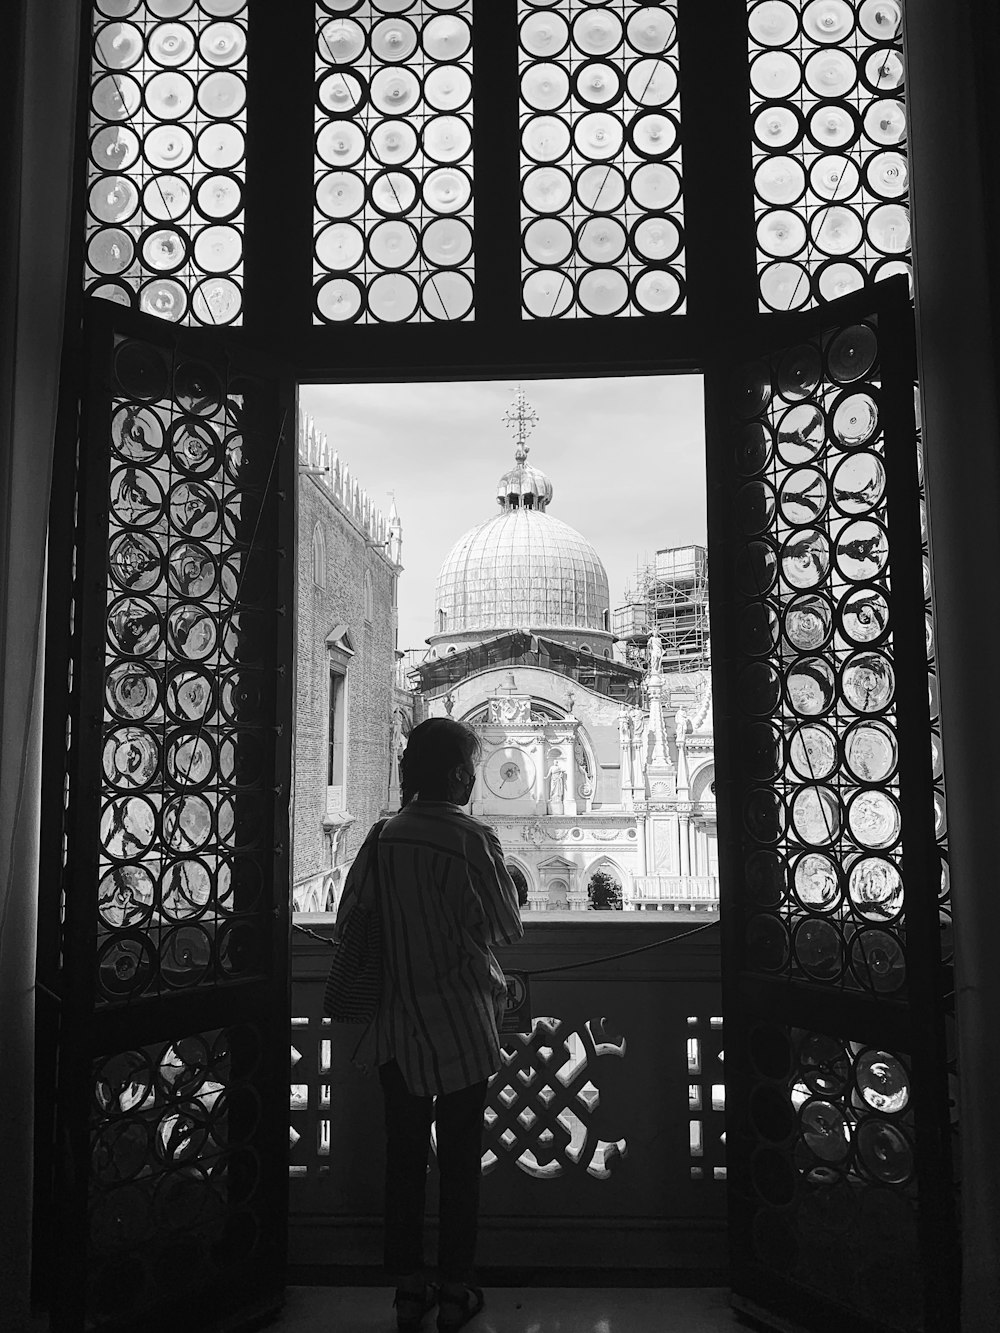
[41, 44]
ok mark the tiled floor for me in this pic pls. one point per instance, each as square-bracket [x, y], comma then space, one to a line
[523, 1310]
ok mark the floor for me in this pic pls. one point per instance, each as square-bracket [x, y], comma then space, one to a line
[523, 1310]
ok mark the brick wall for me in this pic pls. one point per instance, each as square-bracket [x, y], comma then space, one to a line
[321, 610]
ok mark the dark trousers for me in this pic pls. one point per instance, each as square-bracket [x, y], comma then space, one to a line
[459, 1117]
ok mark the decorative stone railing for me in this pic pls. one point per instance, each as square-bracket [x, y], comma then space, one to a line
[603, 1143]
[677, 891]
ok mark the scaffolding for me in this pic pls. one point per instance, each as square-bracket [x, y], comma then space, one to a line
[670, 593]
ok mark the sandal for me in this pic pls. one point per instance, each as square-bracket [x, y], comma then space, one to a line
[411, 1306]
[456, 1312]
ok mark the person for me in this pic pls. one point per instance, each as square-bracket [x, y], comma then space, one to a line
[445, 897]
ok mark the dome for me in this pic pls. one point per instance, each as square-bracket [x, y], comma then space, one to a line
[523, 486]
[522, 569]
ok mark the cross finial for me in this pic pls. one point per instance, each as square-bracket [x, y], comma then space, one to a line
[522, 419]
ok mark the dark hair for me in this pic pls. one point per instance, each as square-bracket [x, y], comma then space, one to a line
[433, 749]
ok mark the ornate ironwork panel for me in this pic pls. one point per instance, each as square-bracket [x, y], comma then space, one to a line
[832, 876]
[176, 1196]
[393, 163]
[601, 189]
[166, 165]
[175, 868]
[832, 1176]
[187, 748]
[829, 147]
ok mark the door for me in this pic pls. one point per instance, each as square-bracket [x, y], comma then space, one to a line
[838, 1119]
[169, 1167]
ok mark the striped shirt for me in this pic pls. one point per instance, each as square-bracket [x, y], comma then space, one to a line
[445, 896]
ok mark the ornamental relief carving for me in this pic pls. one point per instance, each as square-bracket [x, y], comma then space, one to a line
[506, 711]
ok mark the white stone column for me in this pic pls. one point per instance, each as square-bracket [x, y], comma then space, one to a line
[684, 828]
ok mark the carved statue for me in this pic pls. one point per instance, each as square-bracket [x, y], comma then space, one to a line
[625, 740]
[655, 653]
[556, 778]
[638, 746]
[682, 724]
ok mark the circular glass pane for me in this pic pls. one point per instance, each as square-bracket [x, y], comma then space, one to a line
[801, 434]
[817, 881]
[858, 483]
[874, 820]
[862, 550]
[876, 888]
[805, 558]
[819, 948]
[868, 682]
[808, 621]
[871, 752]
[883, 1081]
[816, 815]
[803, 496]
[811, 686]
[885, 1152]
[812, 752]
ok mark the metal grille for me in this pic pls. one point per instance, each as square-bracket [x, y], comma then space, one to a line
[829, 147]
[393, 164]
[601, 209]
[821, 809]
[186, 812]
[167, 157]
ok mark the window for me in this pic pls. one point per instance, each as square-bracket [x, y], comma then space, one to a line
[167, 160]
[319, 556]
[600, 160]
[393, 163]
[369, 596]
[336, 728]
[829, 149]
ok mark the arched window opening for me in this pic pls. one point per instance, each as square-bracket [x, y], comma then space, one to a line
[520, 883]
[604, 892]
[319, 556]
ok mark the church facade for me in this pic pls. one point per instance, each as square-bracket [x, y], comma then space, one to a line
[589, 765]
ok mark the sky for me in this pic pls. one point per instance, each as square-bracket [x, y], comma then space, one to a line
[626, 457]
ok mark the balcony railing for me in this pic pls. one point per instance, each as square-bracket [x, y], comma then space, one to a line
[677, 891]
[604, 1129]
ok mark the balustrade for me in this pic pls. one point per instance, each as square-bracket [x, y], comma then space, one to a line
[604, 1128]
[696, 891]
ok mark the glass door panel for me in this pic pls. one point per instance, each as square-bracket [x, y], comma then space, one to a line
[838, 1113]
[175, 956]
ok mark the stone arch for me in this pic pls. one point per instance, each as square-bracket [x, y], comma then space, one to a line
[608, 863]
[333, 884]
[557, 879]
[611, 867]
[558, 895]
[701, 782]
[520, 871]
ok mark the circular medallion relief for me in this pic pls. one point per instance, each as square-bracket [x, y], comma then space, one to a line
[509, 773]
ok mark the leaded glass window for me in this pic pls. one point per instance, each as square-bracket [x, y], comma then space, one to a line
[829, 147]
[393, 212]
[185, 807]
[167, 157]
[601, 207]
